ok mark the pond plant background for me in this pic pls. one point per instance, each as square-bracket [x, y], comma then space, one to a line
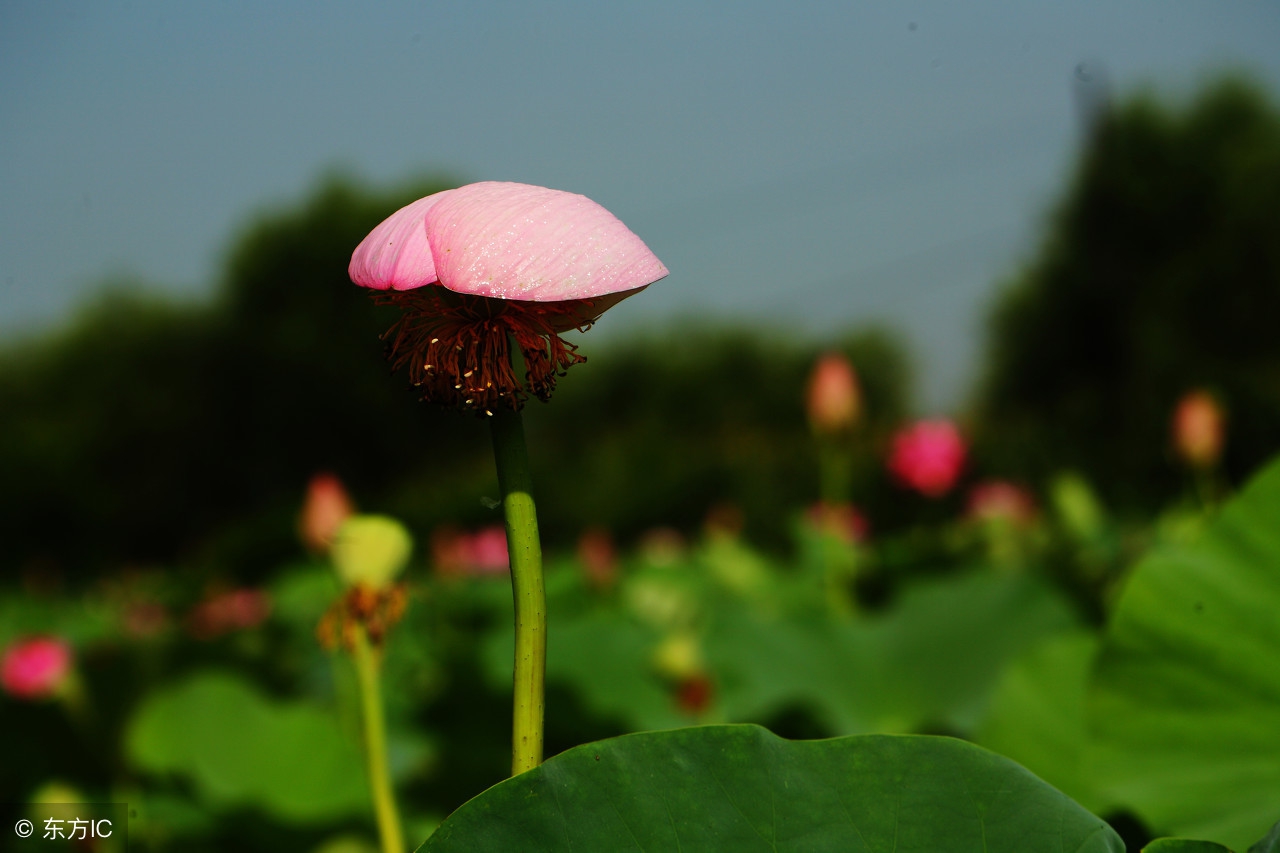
[1079, 595]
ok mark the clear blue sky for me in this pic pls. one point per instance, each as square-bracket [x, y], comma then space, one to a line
[818, 165]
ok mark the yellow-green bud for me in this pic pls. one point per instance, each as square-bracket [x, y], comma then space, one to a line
[371, 550]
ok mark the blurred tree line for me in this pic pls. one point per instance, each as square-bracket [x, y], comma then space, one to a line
[149, 432]
[1160, 273]
[155, 433]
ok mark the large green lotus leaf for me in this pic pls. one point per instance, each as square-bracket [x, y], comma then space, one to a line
[1183, 845]
[1185, 704]
[1269, 844]
[240, 748]
[742, 788]
[1037, 714]
[930, 660]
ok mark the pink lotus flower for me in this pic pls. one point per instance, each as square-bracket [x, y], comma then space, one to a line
[1198, 429]
[834, 398]
[995, 500]
[327, 506]
[927, 457]
[35, 668]
[481, 553]
[476, 266]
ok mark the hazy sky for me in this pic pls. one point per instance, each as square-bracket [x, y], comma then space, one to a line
[817, 165]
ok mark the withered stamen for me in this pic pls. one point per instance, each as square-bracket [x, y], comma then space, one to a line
[476, 335]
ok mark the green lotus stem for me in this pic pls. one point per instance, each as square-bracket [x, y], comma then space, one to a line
[516, 484]
[833, 485]
[368, 671]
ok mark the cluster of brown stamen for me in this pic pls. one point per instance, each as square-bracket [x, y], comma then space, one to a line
[376, 610]
[458, 348]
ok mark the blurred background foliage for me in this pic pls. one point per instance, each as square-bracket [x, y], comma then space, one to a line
[1160, 272]
[150, 436]
[149, 432]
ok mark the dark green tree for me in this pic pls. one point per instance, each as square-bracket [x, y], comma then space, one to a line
[1160, 273]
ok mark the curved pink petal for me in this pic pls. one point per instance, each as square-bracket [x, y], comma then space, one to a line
[396, 255]
[516, 241]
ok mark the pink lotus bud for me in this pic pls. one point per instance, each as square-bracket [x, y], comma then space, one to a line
[928, 457]
[598, 556]
[35, 668]
[1199, 429]
[326, 507]
[480, 265]
[994, 500]
[834, 398]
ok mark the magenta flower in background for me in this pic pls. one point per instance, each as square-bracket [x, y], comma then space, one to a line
[481, 265]
[36, 667]
[483, 552]
[927, 457]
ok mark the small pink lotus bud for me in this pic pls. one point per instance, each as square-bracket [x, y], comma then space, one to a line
[834, 397]
[928, 457]
[35, 668]
[1001, 500]
[1199, 429]
[598, 557]
[326, 507]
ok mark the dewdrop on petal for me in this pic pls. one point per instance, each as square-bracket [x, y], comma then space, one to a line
[482, 266]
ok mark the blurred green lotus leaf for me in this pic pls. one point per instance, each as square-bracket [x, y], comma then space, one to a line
[1037, 714]
[371, 550]
[1185, 704]
[931, 659]
[742, 788]
[240, 748]
[1184, 845]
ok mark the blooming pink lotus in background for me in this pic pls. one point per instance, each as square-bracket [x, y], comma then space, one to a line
[1199, 429]
[834, 398]
[483, 552]
[928, 457]
[35, 668]
[327, 505]
[476, 266]
[994, 500]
